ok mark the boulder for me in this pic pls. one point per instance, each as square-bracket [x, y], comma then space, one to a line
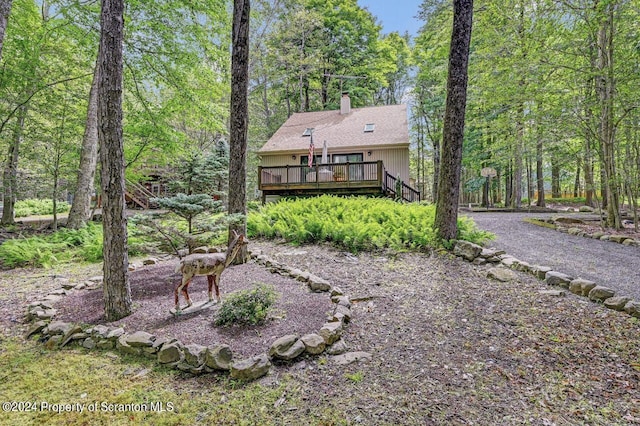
[581, 287]
[100, 330]
[502, 274]
[170, 353]
[89, 343]
[554, 293]
[53, 342]
[140, 339]
[467, 250]
[251, 368]
[586, 209]
[75, 336]
[600, 293]
[487, 253]
[632, 308]
[114, 334]
[58, 327]
[630, 242]
[219, 357]
[336, 291]
[331, 332]
[540, 271]
[125, 348]
[523, 266]
[195, 355]
[318, 284]
[341, 300]
[341, 313]
[617, 303]
[574, 231]
[313, 343]
[509, 261]
[286, 348]
[618, 238]
[557, 278]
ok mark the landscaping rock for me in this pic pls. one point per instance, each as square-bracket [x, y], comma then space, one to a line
[251, 368]
[195, 355]
[318, 284]
[53, 342]
[35, 328]
[586, 209]
[75, 336]
[115, 333]
[522, 266]
[632, 308]
[100, 330]
[336, 291]
[574, 231]
[557, 278]
[467, 250]
[502, 274]
[125, 348]
[219, 357]
[540, 271]
[105, 344]
[581, 286]
[600, 293]
[286, 348]
[339, 347]
[58, 327]
[617, 303]
[629, 242]
[509, 261]
[342, 300]
[554, 293]
[140, 339]
[331, 332]
[170, 353]
[487, 253]
[341, 313]
[351, 357]
[313, 343]
[89, 343]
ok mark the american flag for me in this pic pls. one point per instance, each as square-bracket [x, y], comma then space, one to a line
[311, 151]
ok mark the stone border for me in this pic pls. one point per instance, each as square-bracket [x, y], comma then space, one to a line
[581, 287]
[565, 227]
[194, 358]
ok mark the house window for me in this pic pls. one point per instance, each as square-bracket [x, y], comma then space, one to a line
[369, 128]
[356, 171]
[308, 131]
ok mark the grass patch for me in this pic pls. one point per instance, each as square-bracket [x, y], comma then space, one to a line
[30, 373]
[355, 223]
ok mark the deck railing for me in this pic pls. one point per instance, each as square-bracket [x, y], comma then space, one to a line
[321, 175]
[369, 176]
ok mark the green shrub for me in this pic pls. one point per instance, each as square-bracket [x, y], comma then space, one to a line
[247, 307]
[25, 208]
[355, 223]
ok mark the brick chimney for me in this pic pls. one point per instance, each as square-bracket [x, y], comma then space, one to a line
[345, 104]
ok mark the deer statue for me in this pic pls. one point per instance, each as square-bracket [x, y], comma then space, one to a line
[209, 264]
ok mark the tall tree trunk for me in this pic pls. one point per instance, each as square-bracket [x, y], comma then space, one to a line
[589, 184]
[80, 212]
[576, 184]
[446, 220]
[555, 179]
[10, 175]
[605, 88]
[5, 10]
[239, 119]
[540, 173]
[117, 293]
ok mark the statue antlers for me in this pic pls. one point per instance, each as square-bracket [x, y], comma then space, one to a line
[209, 264]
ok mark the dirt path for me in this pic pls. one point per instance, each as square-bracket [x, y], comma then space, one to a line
[609, 264]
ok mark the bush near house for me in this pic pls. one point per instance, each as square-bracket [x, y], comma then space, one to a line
[355, 223]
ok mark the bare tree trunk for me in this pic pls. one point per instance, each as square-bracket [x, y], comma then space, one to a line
[540, 173]
[446, 220]
[10, 175]
[605, 88]
[80, 212]
[555, 179]
[117, 293]
[576, 183]
[589, 184]
[239, 120]
[5, 10]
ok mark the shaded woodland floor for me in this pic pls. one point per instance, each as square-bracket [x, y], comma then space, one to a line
[448, 346]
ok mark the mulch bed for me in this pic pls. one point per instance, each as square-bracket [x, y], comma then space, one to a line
[297, 310]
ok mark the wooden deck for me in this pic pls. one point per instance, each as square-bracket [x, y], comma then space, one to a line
[363, 178]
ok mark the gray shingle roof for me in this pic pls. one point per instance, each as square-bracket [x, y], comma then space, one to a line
[342, 130]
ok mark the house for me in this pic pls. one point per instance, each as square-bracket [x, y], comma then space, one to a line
[355, 151]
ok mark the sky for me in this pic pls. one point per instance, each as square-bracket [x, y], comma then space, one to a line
[395, 15]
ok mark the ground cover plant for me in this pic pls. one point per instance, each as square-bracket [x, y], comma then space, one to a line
[247, 307]
[62, 246]
[34, 207]
[355, 223]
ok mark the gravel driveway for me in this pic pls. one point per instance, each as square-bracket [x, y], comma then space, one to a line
[606, 263]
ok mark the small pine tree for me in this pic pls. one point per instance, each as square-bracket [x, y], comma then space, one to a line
[189, 206]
